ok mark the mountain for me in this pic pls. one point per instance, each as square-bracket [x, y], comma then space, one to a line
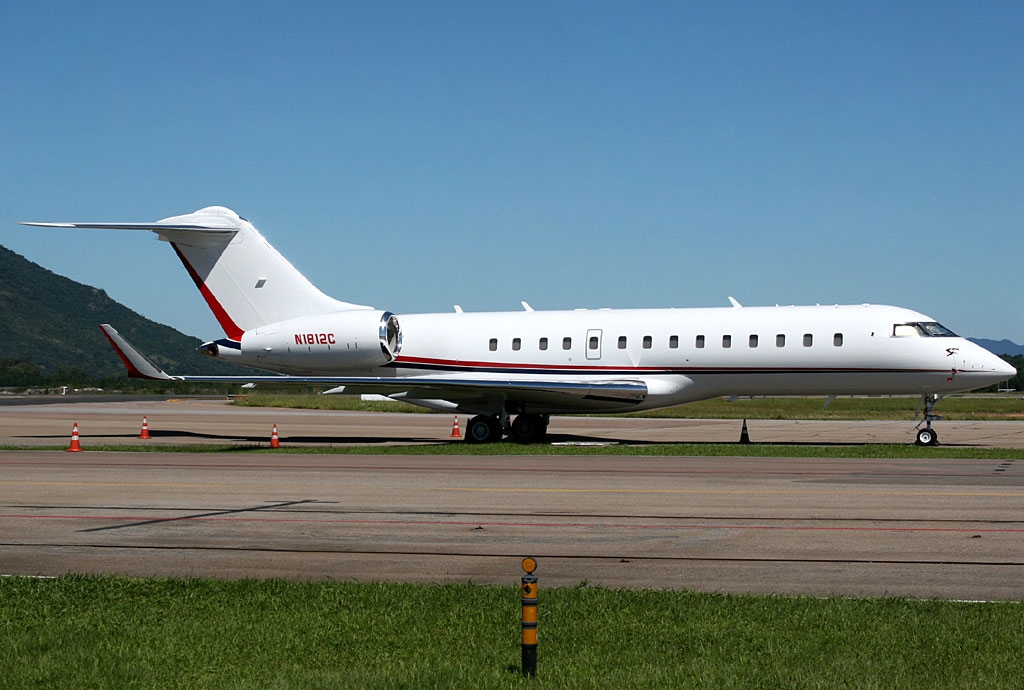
[51, 321]
[999, 347]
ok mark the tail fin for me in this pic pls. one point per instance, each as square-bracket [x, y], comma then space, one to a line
[244, 280]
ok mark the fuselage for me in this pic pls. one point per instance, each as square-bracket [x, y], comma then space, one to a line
[681, 355]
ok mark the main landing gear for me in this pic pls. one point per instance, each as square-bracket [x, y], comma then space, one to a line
[527, 428]
[927, 435]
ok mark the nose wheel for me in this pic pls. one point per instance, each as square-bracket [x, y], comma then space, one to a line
[927, 435]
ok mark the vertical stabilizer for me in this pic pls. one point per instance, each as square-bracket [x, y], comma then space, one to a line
[244, 280]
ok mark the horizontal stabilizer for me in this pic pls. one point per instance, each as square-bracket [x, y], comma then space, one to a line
[219, 229]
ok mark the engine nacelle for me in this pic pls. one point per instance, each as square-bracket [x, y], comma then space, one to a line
[343, 341]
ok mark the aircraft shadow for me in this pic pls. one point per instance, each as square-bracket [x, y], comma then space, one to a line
[172, 434]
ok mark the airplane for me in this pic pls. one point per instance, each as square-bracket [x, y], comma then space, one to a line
[513, 370]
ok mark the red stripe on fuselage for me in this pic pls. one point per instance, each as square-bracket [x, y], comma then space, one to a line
[609, 370]
[511, 366]
[231, 329]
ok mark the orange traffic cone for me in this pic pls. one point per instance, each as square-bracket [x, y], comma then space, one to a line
[455, 429]
[75, 446]
[145, 428]
[275, 442]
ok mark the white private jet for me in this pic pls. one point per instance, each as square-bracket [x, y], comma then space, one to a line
[533, 364]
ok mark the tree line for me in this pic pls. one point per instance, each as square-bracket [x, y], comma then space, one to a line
[21, 374]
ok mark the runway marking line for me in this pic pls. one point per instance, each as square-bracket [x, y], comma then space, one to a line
[741, 492]
[149, 521]
[37, 483]
[485, 489]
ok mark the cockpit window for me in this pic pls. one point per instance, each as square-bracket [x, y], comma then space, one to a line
[922, 329]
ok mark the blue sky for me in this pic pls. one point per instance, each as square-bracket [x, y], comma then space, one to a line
[572, 154]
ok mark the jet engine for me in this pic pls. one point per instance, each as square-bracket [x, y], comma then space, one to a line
[359, 339]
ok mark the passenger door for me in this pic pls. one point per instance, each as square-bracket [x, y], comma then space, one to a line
[594, 343]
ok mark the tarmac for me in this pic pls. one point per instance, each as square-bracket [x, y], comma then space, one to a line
[192, 420]
[950, 528]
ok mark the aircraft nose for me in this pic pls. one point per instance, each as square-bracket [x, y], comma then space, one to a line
[1005, 368]
[982, 363]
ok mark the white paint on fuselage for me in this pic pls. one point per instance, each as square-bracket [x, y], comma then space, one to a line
[869, 360]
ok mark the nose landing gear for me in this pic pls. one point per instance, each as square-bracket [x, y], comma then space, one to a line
[927, 435]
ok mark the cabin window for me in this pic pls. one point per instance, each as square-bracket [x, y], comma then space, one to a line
[543, 344]
[753, 341]
[726, 341]
[837, 339]
[699, 343]
[592, 342]
[493, 345]
[673, 342]
[517, 344]
[567, 343]
[622, 342]
[808, 339]
[780, 340]
[648, 341]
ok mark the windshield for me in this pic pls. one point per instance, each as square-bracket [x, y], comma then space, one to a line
[922, 329]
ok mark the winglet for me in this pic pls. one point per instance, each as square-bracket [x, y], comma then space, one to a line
[138, 366]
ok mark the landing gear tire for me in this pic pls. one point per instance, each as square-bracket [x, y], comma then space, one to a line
[529, 428]
[927, 437]
[483, 429]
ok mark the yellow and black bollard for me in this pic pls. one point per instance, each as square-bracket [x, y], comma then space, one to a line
[529, 592]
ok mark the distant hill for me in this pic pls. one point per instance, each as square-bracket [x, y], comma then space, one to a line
[999, 347]
[51, 320]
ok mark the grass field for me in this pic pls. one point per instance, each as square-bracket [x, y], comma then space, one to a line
[105, 632]
[868, 450]
[964, 408]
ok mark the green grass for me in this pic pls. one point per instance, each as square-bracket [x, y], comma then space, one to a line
[961, 408]
[966, 408]
[867, 450]
[106, 632]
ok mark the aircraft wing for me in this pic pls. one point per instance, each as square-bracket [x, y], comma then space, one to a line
[454, 387]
